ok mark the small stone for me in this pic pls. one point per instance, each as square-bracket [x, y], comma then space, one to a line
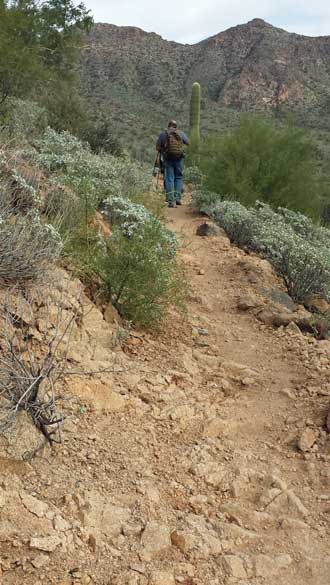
[162, 578]
[2, 498]
[207, 229]
[110, 314]
[201, 272]
[288, 392]
[246, 303]
[328, 421]
[45, 543]
[248, 381]
[266, 566]
[132, 529]
[233, 566]
[138, 568]
[92, 542]
[178, 540]
[187, 569]
[293, 328]
[60, 524]
[307, 439]
[296, 503]
[40, 561]
[155, 539]
[315, 303]
[181, 413]
[215, 479]
[202, 331]
[293, 524]
[33, 505]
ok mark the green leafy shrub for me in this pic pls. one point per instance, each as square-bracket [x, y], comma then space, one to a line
[101, 137]
[141, 275]
[259, 161]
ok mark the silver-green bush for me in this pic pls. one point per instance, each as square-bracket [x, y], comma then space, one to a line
[27, 248]
[298, 249]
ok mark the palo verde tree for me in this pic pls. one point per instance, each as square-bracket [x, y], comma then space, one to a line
[39, 42]
[262, 161]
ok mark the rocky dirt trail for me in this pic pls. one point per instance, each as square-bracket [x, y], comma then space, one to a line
[203, 458]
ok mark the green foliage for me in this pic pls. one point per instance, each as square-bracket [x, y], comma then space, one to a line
[203, 199]
[141, 276]
[194, 125]
[135, 267]
[24, 119]
[298, 249]
[259, 161]
[39, 44]
[193, 175]
[132, 217]
[86, 174]
[101, 138]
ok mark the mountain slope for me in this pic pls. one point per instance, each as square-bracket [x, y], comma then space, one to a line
[200, 457]
[141, 80]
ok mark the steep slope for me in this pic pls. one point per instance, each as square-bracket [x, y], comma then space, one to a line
[202, 458]
[139, 79]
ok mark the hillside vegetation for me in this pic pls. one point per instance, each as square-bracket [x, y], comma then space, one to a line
[138, 80]
[67, 204]
[164, 393]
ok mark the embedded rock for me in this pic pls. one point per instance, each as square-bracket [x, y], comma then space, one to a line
[162, 578]
[45, 543]
[207, 229]
[307, 439]
[155, 539]
[34, 505]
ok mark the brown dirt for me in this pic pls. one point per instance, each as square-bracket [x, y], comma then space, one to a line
[209, 467]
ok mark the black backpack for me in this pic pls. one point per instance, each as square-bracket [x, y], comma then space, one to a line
[173, 149]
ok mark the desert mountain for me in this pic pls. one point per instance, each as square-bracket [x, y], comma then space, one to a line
[139, 79]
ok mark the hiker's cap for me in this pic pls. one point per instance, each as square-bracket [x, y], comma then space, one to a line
[172, 124]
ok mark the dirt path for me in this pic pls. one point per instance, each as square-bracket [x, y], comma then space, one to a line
[191, 472]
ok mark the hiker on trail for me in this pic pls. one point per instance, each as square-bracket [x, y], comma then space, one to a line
[170, 145]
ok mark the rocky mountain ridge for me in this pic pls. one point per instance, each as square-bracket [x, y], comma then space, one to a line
[138, 78]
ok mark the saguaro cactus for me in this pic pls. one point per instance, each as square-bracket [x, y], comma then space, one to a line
[195, 114]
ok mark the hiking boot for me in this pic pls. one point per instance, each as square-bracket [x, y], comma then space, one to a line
[171, 205]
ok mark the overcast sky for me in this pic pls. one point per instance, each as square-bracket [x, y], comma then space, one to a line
[189, 21]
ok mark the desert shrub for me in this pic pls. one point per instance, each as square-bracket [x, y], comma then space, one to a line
[141, 275]
[203, 199]
[298, 249]
[82, 171]
[23, 118]
[193, 175]
[132, 217]
[101, 137]
[27, 248]
[259, 161]
[236, 220]
[153, 201]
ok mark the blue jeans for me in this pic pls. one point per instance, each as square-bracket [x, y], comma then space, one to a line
[173, 179]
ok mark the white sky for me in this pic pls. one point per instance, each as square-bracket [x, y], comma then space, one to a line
[189, 21]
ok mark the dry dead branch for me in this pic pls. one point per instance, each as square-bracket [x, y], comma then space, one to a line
[33, 361]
